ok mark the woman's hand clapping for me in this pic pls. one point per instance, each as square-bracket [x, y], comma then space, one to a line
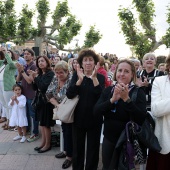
[94, 73]
[80, 75]
[120, 91]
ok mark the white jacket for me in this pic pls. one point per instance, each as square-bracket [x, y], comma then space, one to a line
[160, 107]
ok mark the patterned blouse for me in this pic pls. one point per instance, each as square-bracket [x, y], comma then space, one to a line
[56, 92]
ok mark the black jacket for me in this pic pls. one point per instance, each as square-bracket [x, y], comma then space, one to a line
[117, 115]
[83, 115]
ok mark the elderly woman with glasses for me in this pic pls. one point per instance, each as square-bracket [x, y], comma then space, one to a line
[55, 93]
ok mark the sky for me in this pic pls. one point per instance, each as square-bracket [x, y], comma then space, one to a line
[103, 13]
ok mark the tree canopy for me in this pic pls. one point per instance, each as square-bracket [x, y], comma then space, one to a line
[141, 34]
[60, 32]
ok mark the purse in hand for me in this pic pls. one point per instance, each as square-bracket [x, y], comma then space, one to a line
[65, 110]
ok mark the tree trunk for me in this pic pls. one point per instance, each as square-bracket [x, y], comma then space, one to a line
[157, 44]
[38, 43]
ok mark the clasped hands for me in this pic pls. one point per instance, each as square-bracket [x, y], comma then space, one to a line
[81, 75]
[141, 83]
[30, 72]
[14, 98]
[121, 91]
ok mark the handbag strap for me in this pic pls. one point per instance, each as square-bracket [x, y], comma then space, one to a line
[135, 94]
[2, 68]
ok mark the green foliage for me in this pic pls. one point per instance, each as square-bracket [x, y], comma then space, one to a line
[8, 20]
[24, 25]
[61, 11]
[92, 37]
[166, 38]
[142, 40]
[68, 30]
[61, 32]
[43, 9]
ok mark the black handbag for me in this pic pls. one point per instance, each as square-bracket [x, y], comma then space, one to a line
[145, 133]
[38, 101]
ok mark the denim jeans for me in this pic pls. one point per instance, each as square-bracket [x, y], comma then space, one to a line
[31, 114]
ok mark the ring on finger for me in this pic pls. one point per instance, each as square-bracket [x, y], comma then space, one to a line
[123, 88]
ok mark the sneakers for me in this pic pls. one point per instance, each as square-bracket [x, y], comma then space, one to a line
[23, 139]
[17, 137]
[33, 138]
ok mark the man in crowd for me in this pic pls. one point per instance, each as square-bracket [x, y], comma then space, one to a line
[23, 76]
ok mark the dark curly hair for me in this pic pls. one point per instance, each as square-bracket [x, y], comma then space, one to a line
[87, 53]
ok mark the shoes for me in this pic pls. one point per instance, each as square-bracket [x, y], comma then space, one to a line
[60, 155]
[6, 127]
[3, 125]
[37, 148]
[67, 163]
[42, 151]
[23, 139]
[10, 128]
[33, 138]
[17, 137]
[2, 120]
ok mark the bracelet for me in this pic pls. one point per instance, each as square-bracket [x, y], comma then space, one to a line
[22, 71]
[128, 100]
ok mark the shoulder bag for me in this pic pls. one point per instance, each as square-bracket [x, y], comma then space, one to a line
[65, 110]
[145, 133]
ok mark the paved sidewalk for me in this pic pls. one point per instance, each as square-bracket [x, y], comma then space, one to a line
[21, 156]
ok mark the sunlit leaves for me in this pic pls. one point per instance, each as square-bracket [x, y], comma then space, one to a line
[92, 37]
[166, 38]
[8, 20]
[24, 25]
[143, 40]
[61, 31]
[60, 11]
[43, 9]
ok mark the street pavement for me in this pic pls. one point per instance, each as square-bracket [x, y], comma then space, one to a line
[21, 156]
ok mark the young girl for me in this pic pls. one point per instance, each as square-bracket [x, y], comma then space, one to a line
[18, 114]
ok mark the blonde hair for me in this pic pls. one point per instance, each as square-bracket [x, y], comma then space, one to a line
[61, 65]
[149, 55]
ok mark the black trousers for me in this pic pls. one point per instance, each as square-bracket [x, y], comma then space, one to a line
[107, 153]
[92, 148]
[68, 141]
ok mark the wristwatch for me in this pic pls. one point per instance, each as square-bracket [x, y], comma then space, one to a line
[22, 71]
[128, 100]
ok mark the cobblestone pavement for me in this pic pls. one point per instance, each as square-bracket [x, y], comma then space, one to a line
[21, 156]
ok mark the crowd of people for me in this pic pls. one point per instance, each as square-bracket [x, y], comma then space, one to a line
[105, 86]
